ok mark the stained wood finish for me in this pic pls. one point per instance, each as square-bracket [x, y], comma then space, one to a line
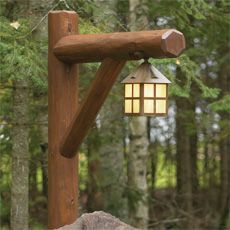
[123, 45]
[62, 99]
[86, 115]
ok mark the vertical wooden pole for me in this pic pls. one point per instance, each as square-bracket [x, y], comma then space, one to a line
[62, 101]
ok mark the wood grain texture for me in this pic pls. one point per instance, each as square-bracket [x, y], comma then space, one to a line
[62, 101]
[86, 115]
[122, 45]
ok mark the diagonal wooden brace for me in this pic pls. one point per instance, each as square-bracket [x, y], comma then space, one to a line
[86, 114]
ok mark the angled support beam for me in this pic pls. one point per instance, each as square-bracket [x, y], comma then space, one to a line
[86, 114]
[122, 45]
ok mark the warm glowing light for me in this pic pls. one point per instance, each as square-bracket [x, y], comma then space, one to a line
[160, 106]
[161, 90]
[128, 90]
[136, 90]
[136, 106]
[148, 106]
[128, 106]
[146, 92]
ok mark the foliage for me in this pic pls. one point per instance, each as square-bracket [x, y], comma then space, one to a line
[222, 105]
[21, 55]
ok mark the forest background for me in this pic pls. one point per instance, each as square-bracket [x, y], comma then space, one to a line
[153, 173]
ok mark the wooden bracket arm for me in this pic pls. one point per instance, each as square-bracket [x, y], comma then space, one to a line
[86, 114]
[122, 45]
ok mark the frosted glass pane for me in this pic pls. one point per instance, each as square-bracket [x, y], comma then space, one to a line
[148, 106]
[128, 90]
[160, 106]
[136, 90]
[128, 106]
[136, 106]
[160, 90]
[148, 90]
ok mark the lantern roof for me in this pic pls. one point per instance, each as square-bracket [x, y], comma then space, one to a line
[146, 73]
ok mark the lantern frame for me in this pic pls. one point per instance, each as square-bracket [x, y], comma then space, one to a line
[145, 74]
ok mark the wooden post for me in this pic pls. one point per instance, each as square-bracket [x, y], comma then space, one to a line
[86, 115]
[62, 101]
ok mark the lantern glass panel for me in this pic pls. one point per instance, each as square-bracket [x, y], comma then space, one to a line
[136, 106]
[160, 106]
[136, 90]
[161, 90]
[148, 90]
[128, 90]
[148, 106]
[128, 106]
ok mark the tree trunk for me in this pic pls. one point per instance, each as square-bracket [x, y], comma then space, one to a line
[152, 168]
[19, 219]
[184, 177]
[224, 147]
[137, 170]
[40, 101]
[138, 149]
[183, 158]
[193, 142]
[40, 109]
[20, 157]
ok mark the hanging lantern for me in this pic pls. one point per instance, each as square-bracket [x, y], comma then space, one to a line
[146, 92]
